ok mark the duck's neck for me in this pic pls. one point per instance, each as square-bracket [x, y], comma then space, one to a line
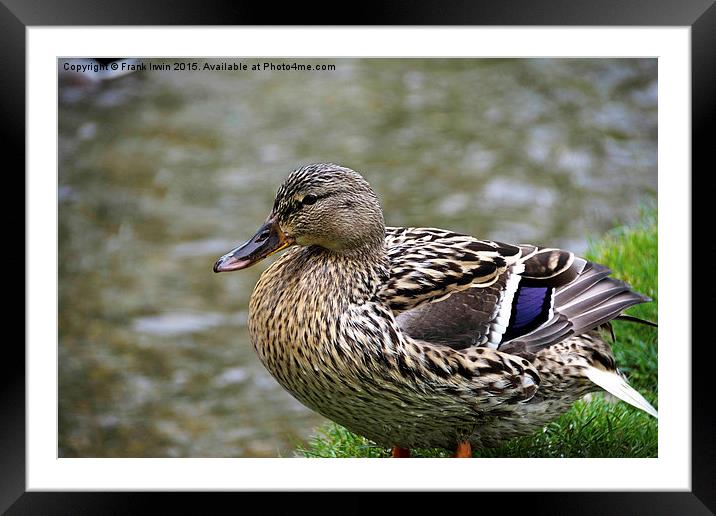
[302, 295]
[358, 273]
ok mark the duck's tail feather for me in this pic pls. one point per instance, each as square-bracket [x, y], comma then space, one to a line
[616, 384]
[631, 318]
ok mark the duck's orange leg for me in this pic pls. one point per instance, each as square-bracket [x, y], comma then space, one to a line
[400, 453]
[463, 450]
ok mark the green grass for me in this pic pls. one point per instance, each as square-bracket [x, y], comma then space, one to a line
[598, 427]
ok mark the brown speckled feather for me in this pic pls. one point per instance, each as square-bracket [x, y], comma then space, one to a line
[428, 264]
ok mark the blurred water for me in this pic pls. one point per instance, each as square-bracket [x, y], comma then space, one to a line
[161, 172]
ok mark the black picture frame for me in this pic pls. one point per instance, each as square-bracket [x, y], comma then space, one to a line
[700, 15]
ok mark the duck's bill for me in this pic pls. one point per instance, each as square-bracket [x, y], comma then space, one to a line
[268, 240]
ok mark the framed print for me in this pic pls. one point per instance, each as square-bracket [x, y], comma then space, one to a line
[154, 141]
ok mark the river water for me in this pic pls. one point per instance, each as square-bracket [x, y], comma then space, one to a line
[161, 172]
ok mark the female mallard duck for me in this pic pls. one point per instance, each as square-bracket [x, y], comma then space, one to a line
[421, 337]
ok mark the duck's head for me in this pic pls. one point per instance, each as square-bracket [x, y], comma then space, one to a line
[324, 205]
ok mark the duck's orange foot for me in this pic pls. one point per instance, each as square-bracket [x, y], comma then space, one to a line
[400, 453]
[463, 450]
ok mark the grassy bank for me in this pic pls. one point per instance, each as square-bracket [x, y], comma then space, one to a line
[597, 427]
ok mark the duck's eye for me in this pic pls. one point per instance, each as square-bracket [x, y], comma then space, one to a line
[309, 199]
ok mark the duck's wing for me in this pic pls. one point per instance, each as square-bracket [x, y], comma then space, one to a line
[590, 300]
[428, 264]
[539, 298]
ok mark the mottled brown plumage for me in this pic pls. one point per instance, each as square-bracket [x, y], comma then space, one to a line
[420, 337]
